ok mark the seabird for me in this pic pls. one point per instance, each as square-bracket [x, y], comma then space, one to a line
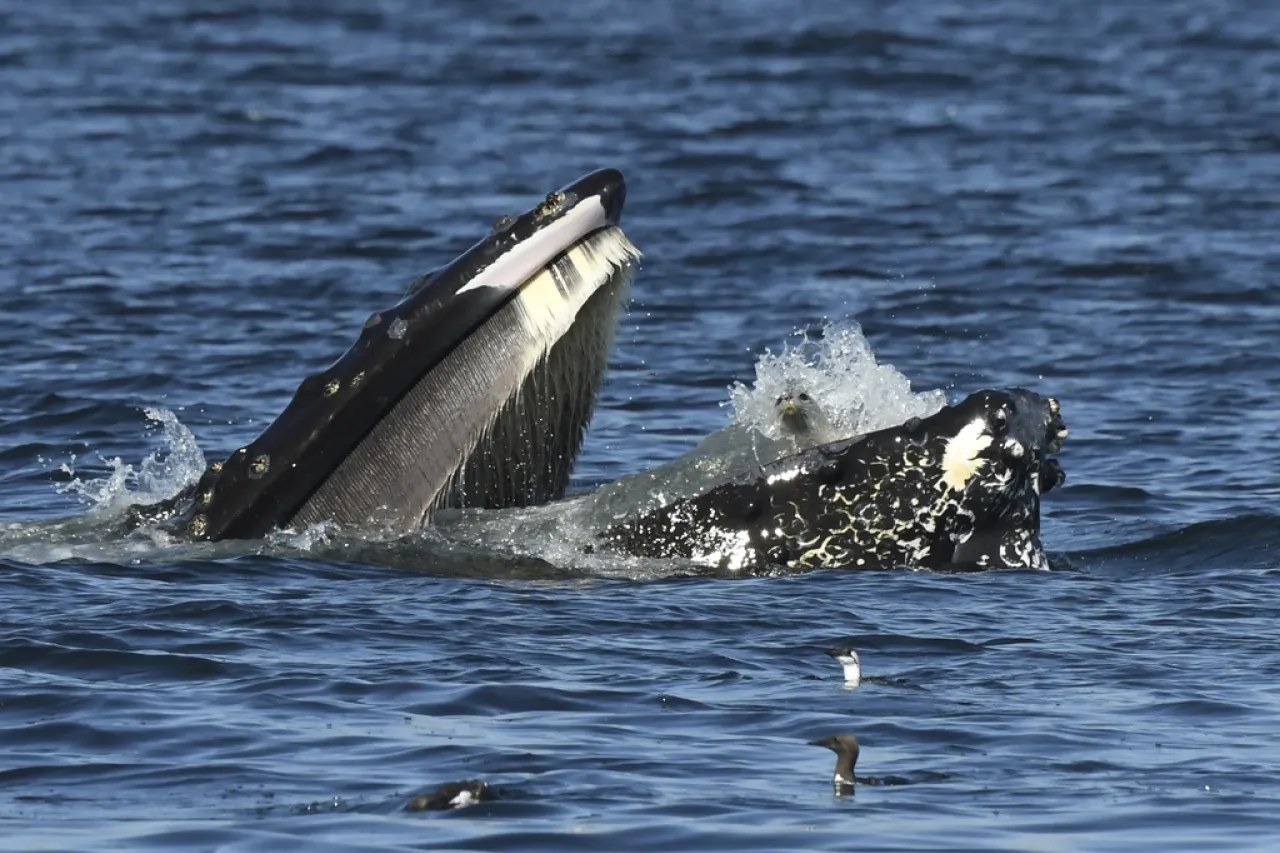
[453, 795]
[845, 746]
[848, 658]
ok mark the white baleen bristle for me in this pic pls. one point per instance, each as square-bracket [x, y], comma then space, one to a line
[544, 309]
[549, 302]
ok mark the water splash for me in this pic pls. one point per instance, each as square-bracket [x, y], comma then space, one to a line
[838, 369]
[160, 475]
[839, 372]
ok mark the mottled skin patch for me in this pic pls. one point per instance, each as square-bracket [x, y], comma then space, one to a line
[959, 489]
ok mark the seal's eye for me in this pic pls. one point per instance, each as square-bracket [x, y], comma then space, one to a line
[778, 402]
[803, 397]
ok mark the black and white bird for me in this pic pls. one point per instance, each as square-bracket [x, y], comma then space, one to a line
[453, 795]
[848, 658]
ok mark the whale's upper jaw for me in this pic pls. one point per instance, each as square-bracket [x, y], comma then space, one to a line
[958, 488]
[518, 246]
[1014, 433]
[263, 485]
[1005, 439]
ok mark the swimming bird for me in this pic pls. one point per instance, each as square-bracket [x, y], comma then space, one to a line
[845, 746]
[848, 658]
[452, 795]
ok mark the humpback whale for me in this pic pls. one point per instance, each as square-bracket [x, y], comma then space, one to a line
[476, 388]
[958, 489]
[473, 391]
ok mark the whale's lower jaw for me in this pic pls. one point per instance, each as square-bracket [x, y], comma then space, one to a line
[474, 390]
[499, 422]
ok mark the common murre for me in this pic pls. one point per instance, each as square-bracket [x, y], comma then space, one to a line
[845, 746]
[453, 795]
[848, 659]
[852, 663]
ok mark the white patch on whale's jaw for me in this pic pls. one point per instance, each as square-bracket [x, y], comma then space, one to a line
[531, 256]
[548, 303]
[960, 460]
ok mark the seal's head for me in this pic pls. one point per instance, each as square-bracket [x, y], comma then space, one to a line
[795, 411]
[804, 419]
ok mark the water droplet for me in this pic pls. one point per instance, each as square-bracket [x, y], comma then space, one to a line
[398, 328]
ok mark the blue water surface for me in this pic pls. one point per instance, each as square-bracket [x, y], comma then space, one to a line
[201, 203]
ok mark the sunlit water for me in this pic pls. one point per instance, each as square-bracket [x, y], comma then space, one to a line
[199, 206]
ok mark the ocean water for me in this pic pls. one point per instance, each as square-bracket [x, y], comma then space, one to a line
[200, 204]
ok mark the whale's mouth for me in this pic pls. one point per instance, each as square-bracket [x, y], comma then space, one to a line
[1012, 437]
[474, 390]
[1026, 430]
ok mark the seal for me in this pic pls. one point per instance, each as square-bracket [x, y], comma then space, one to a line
[730, 453]
[805, 420]
[959, 489]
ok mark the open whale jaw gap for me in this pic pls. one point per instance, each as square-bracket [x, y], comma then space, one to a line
[499, 420]
[526, 455]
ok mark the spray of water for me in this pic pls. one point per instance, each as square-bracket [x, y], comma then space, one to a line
[161, 474]
[838, 370]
